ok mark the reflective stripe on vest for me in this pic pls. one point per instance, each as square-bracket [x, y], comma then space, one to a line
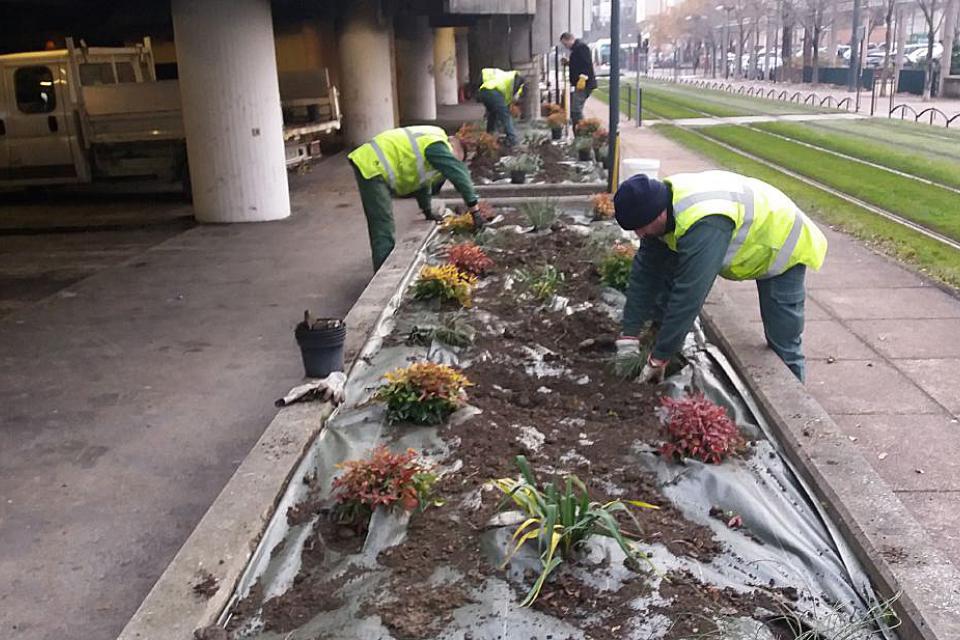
[770, 233]
[395, 154]
[745, 198]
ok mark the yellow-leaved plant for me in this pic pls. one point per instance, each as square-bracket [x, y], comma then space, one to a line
[423, 393]
[445, 283]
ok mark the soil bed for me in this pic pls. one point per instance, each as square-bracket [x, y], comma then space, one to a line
[579, 418]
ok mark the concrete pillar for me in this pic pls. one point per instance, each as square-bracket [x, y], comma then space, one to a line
[366, 58]
[445, 65]
[463, 58]
[416, 89]
[231, 109]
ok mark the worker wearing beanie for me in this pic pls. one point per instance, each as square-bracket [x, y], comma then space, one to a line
[402, 162]
[696, 226]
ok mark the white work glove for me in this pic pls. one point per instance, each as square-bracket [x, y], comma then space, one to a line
[654, 371]
[627, 345]
[332, 387]
[329, 389]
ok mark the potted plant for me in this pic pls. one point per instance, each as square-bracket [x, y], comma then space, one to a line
[557, 121]
[549, 108]
[599, 141]
[520, 166]
[321, 344]
[602, 157]
[584, 147]
[602, 206]
[587, 126]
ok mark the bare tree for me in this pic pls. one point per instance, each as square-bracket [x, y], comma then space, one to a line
[815, 15]
[788, 20]
[888, 8]
[930, 9]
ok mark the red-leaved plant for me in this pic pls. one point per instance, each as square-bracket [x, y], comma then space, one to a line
[700, 429]
[468, 257]
[384, 479]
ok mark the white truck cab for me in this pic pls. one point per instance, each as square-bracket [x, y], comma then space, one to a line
[84, 114]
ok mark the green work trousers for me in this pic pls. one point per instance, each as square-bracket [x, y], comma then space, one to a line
[378, 208]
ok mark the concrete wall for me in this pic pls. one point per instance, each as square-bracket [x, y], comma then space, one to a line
[491, 6]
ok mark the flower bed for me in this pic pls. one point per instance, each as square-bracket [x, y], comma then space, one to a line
[541, 387]
[550, 161]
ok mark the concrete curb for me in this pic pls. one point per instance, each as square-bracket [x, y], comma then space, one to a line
[223, 541]
[544, 190]
[871, 518]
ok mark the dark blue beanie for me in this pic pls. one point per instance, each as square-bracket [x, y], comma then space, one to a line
[639, 200]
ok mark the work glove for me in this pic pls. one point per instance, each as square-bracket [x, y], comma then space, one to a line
[627, 345]
[479, 222]
[654, 371]
[329, 389]
[581, 82]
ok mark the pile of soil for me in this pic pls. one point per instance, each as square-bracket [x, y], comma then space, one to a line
[588, 421]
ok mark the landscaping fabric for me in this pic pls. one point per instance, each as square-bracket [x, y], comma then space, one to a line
[785, 547]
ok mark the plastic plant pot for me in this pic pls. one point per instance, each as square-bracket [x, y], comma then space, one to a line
[518, 177]
[585, 154]
[556, 134]
[321, 346]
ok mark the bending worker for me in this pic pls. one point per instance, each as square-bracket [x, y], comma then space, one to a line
[696, 226]
[497, 92]
[582, 78]
[404, 161]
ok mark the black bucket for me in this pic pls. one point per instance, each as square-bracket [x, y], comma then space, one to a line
[321, 348]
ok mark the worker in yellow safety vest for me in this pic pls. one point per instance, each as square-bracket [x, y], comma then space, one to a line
[696, 226]
[498, 90]
[402, 162]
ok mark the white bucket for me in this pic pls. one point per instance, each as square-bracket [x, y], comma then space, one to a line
[633, 166]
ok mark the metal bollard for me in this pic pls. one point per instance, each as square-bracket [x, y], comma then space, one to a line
[639, 106]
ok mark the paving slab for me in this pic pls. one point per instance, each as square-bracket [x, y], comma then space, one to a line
[939, 377]
[890, 442]
[913, 339]
[825, 339]
[939, 513]
[860, 303]
[861, 272]
[129, 398]
[745, 294]
[866, 386]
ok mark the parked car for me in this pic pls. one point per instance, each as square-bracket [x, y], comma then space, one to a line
[919, 56]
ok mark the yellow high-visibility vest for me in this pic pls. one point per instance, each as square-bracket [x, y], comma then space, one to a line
[399, 157]
[770, 233]
[502, 81]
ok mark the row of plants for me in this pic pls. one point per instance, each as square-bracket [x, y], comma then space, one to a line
[558, 516]
[580, 507]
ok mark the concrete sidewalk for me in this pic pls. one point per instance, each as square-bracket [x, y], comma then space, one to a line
[883, 354]
[128, 398]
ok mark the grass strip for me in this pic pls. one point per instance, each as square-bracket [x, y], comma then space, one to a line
[904, 136]
[927, 255]
[722, 103]
[651, 108]
[933, 207]
[884, 154]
